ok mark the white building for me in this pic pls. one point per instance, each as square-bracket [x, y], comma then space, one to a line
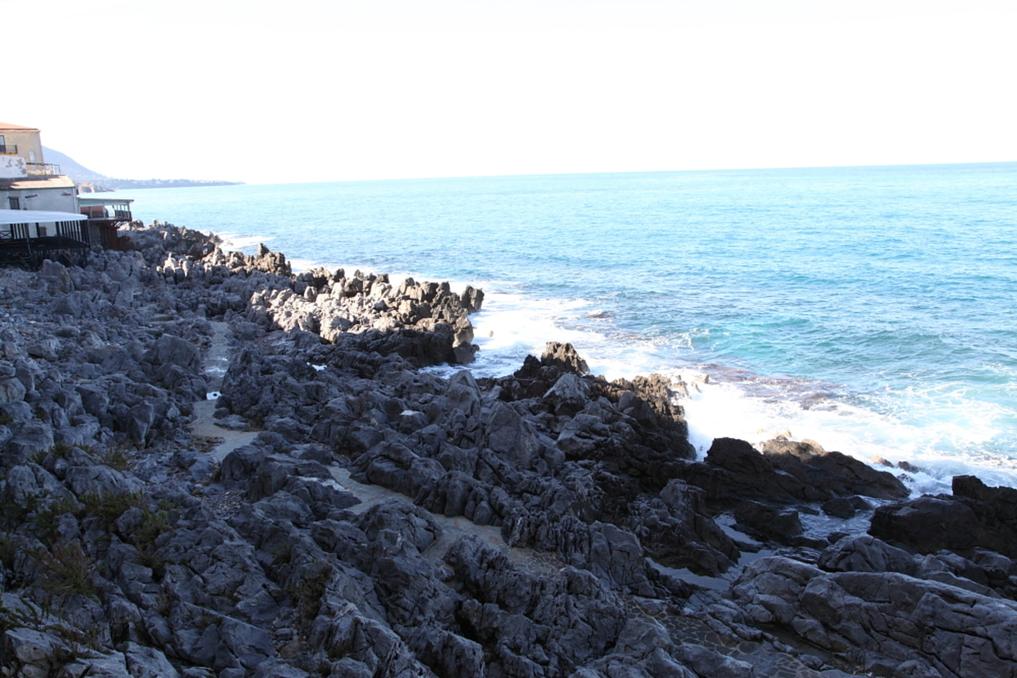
[27, 182]
[40, 212]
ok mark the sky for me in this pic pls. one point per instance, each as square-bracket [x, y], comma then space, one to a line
[321, 90]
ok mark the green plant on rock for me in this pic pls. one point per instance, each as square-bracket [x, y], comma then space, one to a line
[67, 570]
[153, 523]
[152, 561]
[309, 591]
[13, 515]
[61, 450]
[109, 507]
[8, 551]
[117, 458]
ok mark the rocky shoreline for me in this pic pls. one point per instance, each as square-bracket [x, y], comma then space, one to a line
[214, 467]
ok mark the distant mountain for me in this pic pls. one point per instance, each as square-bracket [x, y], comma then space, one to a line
[89, 179]
[79, 173]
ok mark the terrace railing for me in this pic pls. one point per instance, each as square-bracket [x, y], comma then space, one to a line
[42, 169]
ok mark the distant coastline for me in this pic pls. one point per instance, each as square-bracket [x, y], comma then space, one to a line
[90, 181]
[108, 185]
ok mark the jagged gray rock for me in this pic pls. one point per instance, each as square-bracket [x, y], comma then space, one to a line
[338, 511]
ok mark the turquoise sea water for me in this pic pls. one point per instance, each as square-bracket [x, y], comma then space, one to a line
[871, 309]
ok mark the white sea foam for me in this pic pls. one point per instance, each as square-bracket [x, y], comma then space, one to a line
[511, 326]
[240, 242]
[940, 444]
[940, 449]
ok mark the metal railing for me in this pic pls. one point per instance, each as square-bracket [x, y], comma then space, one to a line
[8, 149]
[104, 213]
[42, 169]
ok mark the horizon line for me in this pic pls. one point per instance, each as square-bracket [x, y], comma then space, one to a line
[458, 177]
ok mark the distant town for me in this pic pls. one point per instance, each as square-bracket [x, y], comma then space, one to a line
[43, 211]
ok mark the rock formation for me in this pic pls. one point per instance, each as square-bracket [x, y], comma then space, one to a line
[326, 507]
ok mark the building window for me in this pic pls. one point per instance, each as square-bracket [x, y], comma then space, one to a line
[15, 202]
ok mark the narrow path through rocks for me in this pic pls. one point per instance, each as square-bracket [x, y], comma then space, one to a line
[203, 425]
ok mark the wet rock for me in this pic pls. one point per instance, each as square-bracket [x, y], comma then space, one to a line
[767, 522]
[839, 474]
[735, 470]
[845, 507]
[996, 511]
[927, 524]
[976, 515]
[801, 449]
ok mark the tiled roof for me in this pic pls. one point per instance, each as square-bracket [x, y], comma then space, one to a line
[32, 183]
[12, 126]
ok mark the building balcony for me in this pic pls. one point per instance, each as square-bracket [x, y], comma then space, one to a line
[42, 169]
[8, 149]
[108, 210]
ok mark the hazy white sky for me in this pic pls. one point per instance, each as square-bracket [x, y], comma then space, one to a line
[305, 90]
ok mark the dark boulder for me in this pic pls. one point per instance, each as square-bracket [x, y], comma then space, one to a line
[839, 475]
[676, 531]
[927, 524]
[565, 357]
[976, 515]
[472, 299]
[768, 523]
[845, 507]
[734, 470]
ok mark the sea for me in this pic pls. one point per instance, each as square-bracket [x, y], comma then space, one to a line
[871, 309]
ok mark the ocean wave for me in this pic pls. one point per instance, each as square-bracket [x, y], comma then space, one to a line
[955, 436]
[243, 242]
[939, 450]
